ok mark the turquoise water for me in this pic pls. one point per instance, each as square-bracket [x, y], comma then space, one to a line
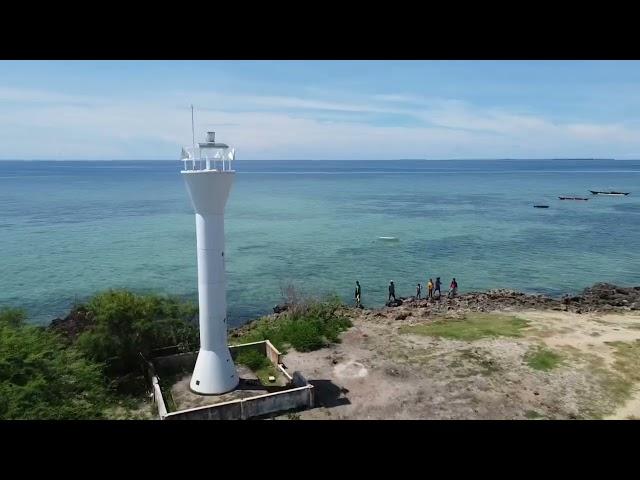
[70, 229]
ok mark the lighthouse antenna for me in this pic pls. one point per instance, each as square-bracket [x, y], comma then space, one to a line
[193, 139]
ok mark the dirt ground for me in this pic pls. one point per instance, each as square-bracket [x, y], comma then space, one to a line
[379, 373]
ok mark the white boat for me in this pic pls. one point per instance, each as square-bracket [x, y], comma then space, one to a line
[388, 238]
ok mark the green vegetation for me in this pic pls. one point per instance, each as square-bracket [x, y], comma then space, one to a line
[615, 383]
[305, 328]
[541, 358]
[473, 326]
[532, 415]
[264, 373]
[88, 369]
[627, 372]
[126, 324]
[258, 363]
[43, 378]
[252, 358]
[627, 357]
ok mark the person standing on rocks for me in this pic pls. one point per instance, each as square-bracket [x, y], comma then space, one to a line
[437, 287]
[418, 291]
[392, 291]
[430, 288]
[453, 288]
[358, 294]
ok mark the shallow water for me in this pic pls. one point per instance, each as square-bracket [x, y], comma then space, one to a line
[70, 229]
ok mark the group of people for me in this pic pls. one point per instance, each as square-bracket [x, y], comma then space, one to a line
[432, 288]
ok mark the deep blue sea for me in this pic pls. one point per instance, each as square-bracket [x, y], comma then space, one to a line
[70, 229]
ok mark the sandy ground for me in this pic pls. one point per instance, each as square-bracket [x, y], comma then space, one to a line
[379, 373]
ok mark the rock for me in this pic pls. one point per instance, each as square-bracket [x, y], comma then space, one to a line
[73, 324]
[394, 303]
[281, 308]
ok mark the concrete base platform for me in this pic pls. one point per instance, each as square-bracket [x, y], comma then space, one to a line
[252, 398]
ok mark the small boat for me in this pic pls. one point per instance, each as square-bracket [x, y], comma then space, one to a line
[573, 198]
[541, 206]
[609, 193]
[388, 238]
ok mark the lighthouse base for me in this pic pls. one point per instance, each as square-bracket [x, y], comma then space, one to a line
[214, 373]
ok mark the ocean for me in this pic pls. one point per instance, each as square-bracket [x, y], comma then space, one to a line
[71, 229]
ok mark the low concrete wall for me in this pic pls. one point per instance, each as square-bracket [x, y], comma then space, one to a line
[222, 411]
[251, 407]
[293, 399]
[157, 396]
[272, 353]
[176, 362]
[155, 388]
[298, 397]
[186, 361]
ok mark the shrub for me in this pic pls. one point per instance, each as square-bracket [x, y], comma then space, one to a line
[252, 358]
[126, 324]
[42, 378]
[307, 327]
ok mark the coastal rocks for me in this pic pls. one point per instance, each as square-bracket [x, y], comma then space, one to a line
[73, 324]
[281, 308]
[604, 296]
[600, 297]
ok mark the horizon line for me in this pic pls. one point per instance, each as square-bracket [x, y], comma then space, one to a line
[318, 159]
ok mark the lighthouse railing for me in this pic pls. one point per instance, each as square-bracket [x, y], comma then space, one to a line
[199, 159]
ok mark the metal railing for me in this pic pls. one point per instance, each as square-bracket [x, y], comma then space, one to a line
[195, 160]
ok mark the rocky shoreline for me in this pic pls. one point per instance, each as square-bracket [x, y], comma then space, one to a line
[601, 297]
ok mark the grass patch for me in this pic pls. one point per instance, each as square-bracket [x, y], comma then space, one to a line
[305, 328]
[264, 373]
[634, 326]
[615, 384]
[258, 363]
[532, 415]
[541, 358]
[252, 358]
[627, 361]
[473, 326]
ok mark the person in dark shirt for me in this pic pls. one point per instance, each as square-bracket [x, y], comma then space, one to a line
[453, 288]
[358, 293]
[437, 288]
[392, 291]
[418, 291]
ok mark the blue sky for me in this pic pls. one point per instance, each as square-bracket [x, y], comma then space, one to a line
[321, 109]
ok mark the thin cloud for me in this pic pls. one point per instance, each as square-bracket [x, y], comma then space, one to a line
[292, 127]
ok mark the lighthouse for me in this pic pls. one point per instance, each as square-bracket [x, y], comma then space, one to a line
[208, 177]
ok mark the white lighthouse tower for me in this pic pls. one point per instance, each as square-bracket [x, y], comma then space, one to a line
[208, 176]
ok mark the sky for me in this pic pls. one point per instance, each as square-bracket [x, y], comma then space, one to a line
[120, 110]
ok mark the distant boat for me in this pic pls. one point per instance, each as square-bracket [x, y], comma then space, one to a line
[541, 206]
[388, 238]
[573, 198]
[609, 193]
